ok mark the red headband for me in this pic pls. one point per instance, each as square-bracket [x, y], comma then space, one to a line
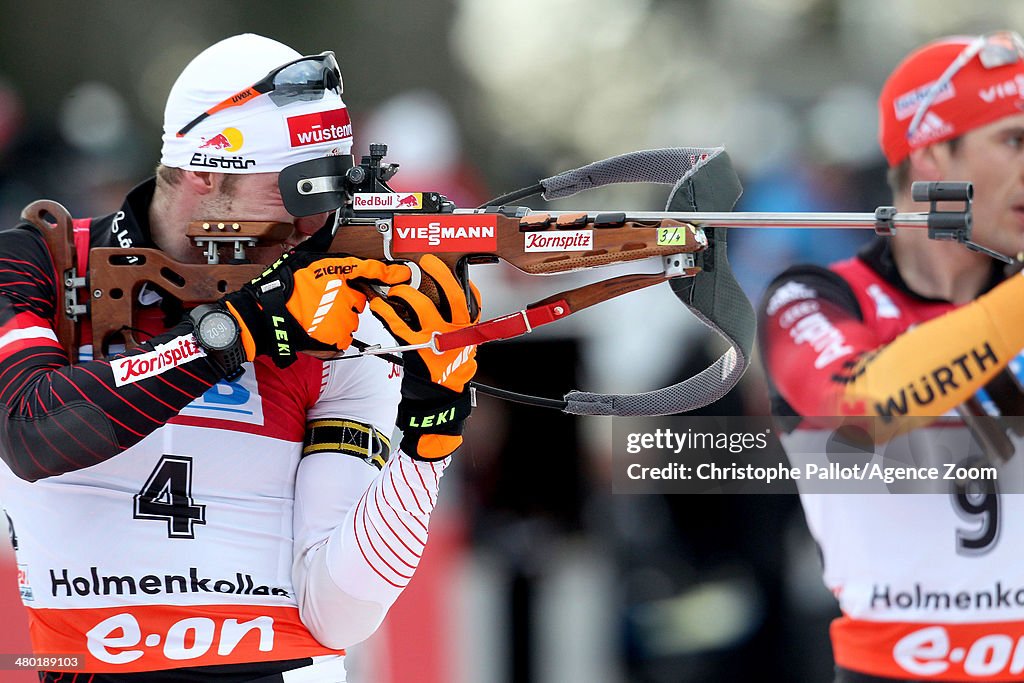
[974, 96]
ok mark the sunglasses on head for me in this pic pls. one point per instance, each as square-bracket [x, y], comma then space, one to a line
[302, 80]
[993, 49]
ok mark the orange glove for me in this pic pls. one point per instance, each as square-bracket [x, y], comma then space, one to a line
[435, 402]
[305, 302]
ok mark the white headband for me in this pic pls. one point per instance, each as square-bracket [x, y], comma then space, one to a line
[254, 137]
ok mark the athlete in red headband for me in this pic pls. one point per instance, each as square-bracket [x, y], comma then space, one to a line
[931, 585]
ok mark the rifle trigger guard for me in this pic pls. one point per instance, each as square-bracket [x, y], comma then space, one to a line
[415, 277]
[383, 226]
[415, 274]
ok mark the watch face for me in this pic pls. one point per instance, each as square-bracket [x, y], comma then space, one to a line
[217, 330]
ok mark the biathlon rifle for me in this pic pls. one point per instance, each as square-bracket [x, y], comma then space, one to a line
[687, 239]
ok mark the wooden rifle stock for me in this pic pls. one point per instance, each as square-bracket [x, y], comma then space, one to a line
[55, 225]
[618, 243]
[116, 275]
[601, 244]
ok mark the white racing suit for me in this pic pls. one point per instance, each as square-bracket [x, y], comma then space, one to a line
[172, 527]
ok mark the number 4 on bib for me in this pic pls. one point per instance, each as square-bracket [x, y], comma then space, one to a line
[167, 495]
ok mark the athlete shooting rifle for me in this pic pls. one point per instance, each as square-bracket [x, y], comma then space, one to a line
[373, 221]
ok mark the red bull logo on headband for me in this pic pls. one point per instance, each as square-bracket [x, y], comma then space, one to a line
[333, 125]
[229, 140]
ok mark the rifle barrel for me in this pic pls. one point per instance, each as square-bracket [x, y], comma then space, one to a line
[741, 219]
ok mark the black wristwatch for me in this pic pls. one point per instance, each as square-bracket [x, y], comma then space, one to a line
[219, 335]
